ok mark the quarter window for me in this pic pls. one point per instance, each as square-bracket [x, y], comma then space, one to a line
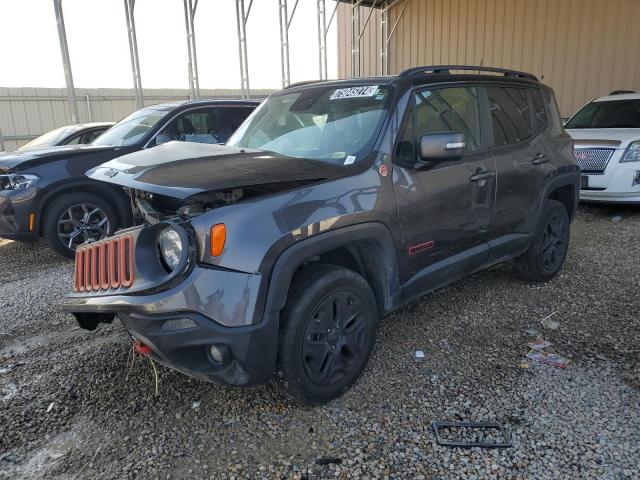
[510, 115]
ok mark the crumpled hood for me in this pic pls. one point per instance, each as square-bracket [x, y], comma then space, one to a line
[183, 169]
[606, 137]
[39, 156]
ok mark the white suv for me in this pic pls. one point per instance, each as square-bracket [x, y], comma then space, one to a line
[606, 134]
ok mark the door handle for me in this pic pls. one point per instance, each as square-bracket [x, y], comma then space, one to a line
[540, 159]
[476, 177]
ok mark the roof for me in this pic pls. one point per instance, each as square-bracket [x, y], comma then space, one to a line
[430, 74]
[203, 101]
[621, 96]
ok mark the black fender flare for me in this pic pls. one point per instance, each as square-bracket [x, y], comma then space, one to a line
[568, 177]
[292, 257]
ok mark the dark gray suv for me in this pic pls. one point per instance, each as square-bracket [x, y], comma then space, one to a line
[332, 205]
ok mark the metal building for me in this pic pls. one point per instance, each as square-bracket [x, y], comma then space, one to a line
[581, 48]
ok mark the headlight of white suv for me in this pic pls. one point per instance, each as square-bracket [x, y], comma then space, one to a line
[17, 181]
[632, 154]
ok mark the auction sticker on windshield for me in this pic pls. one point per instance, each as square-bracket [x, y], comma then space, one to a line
[354, 92]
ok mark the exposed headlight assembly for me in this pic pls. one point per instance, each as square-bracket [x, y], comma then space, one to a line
[170, 246]
[17, 181]
[632, 154]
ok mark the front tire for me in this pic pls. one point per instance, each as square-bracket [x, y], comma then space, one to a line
[328, 332]
[74, 218]
[545, 257]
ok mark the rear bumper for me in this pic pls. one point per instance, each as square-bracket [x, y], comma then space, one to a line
[15, 206]
[217, 307]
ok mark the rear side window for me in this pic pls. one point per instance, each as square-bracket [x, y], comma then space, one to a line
[510, 115]
[441, 110]
[539, 112]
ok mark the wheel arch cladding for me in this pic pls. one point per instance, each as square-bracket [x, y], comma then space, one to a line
[366, 248]
[114, 195]
[565, 194]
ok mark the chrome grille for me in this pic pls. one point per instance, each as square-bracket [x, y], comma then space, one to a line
[593, 160]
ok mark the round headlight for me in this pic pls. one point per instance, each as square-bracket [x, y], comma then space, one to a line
[170, 246]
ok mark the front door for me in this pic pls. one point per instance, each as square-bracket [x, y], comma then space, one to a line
[445, 208]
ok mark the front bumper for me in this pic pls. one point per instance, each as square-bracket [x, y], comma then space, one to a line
[619, 184]
[15, 207]
[219, 305]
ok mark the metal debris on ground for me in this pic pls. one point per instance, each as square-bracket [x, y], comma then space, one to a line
[328, 461]
[532, 332]
[548, 358]
[538, 344]
[471, 434]
[547, 322]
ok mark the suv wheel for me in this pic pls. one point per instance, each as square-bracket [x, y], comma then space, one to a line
[328, 331]
[76, 218]
[545, 257]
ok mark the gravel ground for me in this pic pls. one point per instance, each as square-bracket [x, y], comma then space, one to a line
[74, 405]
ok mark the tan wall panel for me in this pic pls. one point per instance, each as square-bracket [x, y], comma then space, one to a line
[581, 48]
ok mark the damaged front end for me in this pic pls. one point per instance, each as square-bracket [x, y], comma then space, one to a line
[191, 313]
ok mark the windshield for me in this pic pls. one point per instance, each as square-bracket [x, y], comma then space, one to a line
[49, 139]
[332, 124]
[609, 114]
[130, 129]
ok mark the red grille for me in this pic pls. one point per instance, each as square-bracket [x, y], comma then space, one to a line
[104, 265]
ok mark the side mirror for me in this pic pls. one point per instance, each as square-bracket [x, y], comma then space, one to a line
[163, 138]
[442, 146]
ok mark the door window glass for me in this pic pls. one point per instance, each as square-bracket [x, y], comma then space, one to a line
[510, 115]
[442, 110]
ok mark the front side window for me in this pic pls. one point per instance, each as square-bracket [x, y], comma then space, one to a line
[336, 125]
[441, 110]
[510, 115]
[607, 114]
[131, 129]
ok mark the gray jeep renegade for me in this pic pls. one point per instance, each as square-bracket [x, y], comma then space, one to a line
[333, 204]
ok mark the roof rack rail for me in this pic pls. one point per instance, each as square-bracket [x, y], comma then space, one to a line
[411, 72]
[621, 92]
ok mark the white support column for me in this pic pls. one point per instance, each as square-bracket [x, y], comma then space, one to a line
[323, 30]
[129, 6]
[66, 62]
[386, 35]
[242, 16]
[285, 23]
[190, 7]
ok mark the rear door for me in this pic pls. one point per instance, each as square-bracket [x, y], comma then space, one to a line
[523, 162]
[445, 208]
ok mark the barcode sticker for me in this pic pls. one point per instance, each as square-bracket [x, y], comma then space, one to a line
[354, 92]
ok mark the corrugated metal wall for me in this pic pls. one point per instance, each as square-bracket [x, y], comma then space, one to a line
[26, 113]
[581, 48]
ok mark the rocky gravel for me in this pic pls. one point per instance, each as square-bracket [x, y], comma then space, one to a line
[77, 404]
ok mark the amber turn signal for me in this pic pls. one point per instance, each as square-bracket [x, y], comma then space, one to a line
[217, 239]
[32, 221]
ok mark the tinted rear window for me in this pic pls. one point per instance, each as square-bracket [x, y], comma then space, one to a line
[609, 114]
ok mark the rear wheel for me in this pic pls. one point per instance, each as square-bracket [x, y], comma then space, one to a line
[76, 218]
[545, 257]
[328, 331]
